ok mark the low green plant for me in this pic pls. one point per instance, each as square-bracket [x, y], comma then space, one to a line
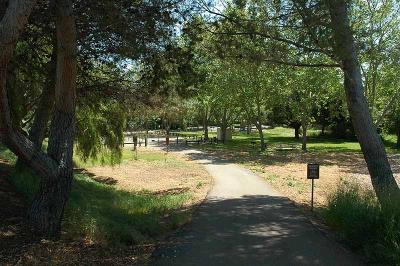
[199, 184]
[7, 155]
[368, 227]
[105, 214]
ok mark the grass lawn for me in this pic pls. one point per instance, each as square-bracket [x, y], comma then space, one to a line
[148, 197]
[128, 155]
[241, 141]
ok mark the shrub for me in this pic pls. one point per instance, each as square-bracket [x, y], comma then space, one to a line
[367, 227]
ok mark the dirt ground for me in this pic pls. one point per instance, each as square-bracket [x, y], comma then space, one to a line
[288, 172]
[19, 247]
[176, 174]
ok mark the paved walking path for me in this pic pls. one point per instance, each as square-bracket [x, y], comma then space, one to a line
[246, 222]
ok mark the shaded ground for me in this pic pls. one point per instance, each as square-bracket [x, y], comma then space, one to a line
[18, 246]
[246, 222]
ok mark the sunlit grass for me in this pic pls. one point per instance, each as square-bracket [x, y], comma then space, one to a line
[241, 141]
[105, 214]
[130, 156]
[7, 155]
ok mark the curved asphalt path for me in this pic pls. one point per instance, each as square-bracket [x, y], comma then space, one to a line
[244, 221]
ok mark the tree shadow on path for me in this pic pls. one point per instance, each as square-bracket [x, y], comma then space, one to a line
[251, 230]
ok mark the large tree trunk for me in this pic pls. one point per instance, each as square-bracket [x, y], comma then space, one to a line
[14, 16]
[371, 144]
[11, 25]
[48, 205]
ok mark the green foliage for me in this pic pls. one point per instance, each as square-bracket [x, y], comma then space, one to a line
[242, 141]
[100, 131]
[371, 229]
[7, 155]
[105, 214]
[106, 157]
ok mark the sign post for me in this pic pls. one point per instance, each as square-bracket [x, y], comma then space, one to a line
[312, 173]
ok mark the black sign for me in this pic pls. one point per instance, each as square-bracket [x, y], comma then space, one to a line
[312, 171]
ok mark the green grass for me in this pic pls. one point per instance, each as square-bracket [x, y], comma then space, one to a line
[109, 215]
[366, 226]
[157, 158]
[241, 141]
[105, 158]
[105, 214]
[7, 155]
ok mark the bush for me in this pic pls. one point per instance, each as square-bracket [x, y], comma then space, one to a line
[367, 227]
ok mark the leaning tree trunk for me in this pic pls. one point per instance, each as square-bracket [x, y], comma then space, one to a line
[48, 205]
[371, 144]
[13, 18]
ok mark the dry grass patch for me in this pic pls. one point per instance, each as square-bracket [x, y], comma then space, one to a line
[115, 214]
[156, 172]
[288, 173]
